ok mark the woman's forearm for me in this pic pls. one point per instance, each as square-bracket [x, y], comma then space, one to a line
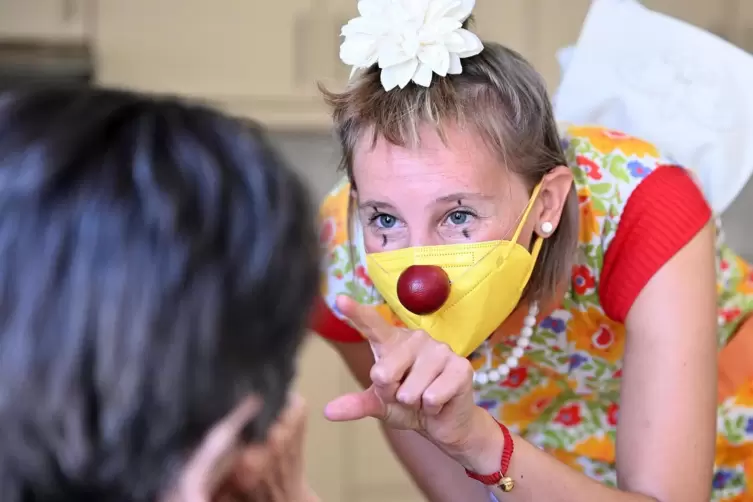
[537, 475]
[440, 478]
[540, 476]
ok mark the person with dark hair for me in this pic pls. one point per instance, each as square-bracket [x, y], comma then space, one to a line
[157, 262]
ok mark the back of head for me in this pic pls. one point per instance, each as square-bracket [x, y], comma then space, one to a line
[157, 262]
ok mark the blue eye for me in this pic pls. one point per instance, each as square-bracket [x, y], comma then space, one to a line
[385, 221]
[459, 217]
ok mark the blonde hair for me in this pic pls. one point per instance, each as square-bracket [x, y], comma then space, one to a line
[501, 97]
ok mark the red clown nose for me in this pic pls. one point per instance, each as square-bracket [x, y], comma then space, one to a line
[423, 289]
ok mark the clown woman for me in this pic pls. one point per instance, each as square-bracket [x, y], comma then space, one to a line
[536, 313]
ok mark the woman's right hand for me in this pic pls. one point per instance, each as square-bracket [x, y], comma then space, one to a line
[420, 384]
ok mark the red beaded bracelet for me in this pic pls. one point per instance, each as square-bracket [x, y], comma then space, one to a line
[500, 477]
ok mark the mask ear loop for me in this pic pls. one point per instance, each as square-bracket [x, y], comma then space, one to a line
[524, 218]
[536, 248]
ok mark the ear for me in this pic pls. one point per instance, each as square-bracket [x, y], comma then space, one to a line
[555, 186]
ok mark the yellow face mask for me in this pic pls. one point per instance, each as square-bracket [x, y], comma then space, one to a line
[487, 280]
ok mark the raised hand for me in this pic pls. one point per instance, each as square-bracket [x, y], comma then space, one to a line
[417, 383]
[224, 470]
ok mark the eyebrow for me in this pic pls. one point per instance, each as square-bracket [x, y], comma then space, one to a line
[375, 204]
[453, 197]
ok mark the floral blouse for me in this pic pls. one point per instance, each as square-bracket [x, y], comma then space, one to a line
[564, 395]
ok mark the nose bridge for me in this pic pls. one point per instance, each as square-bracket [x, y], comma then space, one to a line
[420, 218]
[423, 235]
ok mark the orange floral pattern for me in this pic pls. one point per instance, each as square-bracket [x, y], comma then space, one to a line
[598, 447]
[333, 220]
[607, 141]
[592, 332]
[530, 406]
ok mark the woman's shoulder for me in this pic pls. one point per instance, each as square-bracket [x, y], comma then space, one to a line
[615, 173]
[602, 159]
[633, 201]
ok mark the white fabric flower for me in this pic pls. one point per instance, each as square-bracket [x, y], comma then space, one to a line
[409, 39]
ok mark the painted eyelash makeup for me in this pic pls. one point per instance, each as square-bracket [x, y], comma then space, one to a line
[465, 231]
[376, 214]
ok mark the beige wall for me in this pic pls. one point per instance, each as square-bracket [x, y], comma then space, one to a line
[264, 58]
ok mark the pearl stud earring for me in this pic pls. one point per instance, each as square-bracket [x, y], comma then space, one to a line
[547, 227]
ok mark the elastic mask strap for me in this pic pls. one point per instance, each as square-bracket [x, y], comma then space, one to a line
[535, 255]
[524, 217]
[539, 240]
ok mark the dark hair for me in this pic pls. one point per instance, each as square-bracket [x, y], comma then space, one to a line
[157, 264]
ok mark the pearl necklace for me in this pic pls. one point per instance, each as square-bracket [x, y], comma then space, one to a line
[487, 373]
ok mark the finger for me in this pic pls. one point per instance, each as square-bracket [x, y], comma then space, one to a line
[387, 394]
[392, 367]
[294, 414]
[226, 434]
[278, 474]
[286, 436]
[297, 431]
[356, 406]
[225, 493]
[216, 455]
[428, 367]
[455, 379]
[268, 477]
[270, 489]
[367, 320]
[289, 443]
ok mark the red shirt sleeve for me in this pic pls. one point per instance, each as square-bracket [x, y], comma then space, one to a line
[661, 216]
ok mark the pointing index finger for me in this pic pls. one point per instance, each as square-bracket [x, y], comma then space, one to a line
[367, 320]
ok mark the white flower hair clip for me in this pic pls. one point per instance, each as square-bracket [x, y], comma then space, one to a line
[409, 39]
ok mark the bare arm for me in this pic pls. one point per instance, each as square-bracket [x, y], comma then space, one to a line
[670, 369]
[439, 478]
[665, 438]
